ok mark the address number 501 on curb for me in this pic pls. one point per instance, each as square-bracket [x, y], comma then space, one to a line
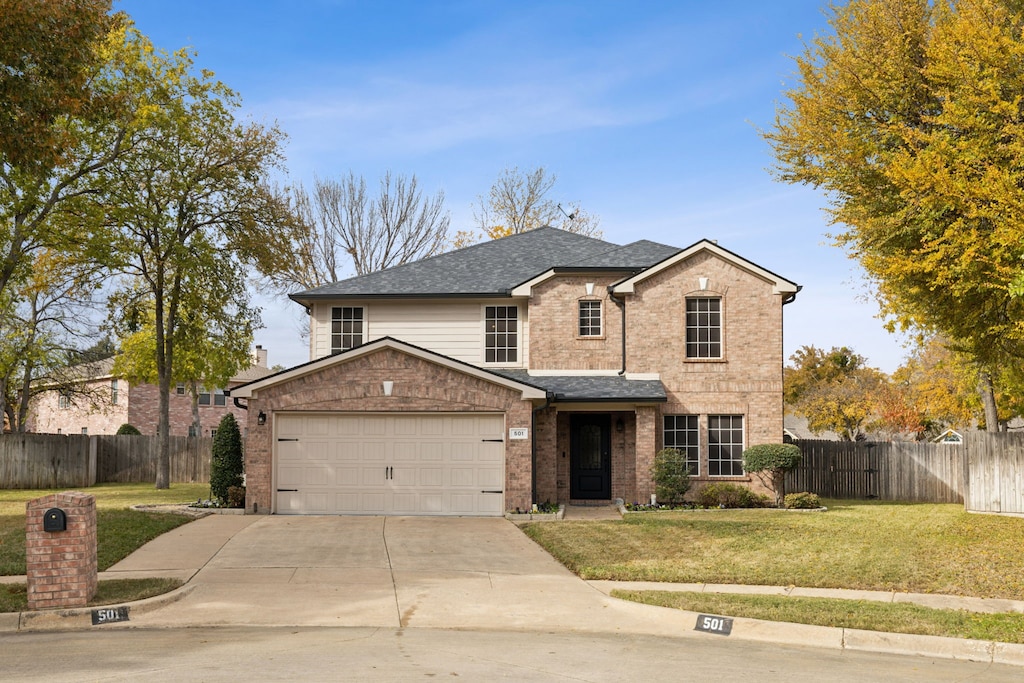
[712, 624]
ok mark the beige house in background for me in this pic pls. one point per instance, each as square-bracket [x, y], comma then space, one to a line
[103, 402]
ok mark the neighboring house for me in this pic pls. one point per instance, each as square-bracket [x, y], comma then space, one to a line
[544, 366]
[101, 402]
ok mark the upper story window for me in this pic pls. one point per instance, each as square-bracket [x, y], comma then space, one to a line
[682, 433]
[180, 389]
[590, 319]
[216, 399]
[347, 324]
[64, 400]
[113, 392]
[501, 334]
[704, 327]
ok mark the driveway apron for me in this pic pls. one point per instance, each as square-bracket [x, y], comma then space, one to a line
[392, 572]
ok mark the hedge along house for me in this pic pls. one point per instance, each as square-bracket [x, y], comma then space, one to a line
[544, 366]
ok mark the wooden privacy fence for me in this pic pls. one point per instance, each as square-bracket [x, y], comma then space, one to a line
[886, 470]
[995, 472]
[30, 461]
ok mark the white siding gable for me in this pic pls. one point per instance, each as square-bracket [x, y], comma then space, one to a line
[453, 328]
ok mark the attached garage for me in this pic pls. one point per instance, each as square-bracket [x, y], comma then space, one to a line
[388, 428]
[390, 464]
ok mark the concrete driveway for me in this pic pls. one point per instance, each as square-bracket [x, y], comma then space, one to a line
[374, 571]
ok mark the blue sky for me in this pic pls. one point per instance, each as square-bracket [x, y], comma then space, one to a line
[647, 112]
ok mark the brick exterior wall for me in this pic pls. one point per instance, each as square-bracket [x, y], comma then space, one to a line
[746, 381]
[356, 385]
[90, 409]
[61, 565]
[137, 405]
[554, 326]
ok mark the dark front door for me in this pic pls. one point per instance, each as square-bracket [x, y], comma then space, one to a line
[590, 456]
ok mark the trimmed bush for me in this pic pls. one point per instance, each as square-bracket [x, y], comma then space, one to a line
[776, 459]
[236, 496]
[671, 476]
[226, 467]
[803, 501]
[128, 430]
[724, 495]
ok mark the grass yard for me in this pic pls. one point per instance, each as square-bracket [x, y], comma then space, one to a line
[14, 598]
[921, 548]
[119, 530]
[858, 614]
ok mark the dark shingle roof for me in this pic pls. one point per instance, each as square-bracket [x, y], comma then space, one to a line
[493, 268]
[591, 388]
[633, 256]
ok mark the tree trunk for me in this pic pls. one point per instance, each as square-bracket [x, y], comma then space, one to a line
[988, 400]
[163, 443]
[779, 484]
[197, 424]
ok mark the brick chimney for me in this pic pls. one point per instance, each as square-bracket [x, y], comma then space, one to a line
[260, 357]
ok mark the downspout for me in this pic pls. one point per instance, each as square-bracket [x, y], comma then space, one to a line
[621, 303]
[533, 445]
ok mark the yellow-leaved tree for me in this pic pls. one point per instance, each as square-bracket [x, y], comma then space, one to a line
[908, 115]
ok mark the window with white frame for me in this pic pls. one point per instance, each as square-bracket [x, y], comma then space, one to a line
[347, 327]
[704, 327]
[64, 400]
[501, 334]
[682, 433]
[217, 398]
[725, 445]
[113, 392]
[590, 318]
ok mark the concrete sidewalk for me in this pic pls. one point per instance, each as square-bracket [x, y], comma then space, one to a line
[461, 573]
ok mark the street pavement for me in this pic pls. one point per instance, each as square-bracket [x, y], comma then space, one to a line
[397, 573]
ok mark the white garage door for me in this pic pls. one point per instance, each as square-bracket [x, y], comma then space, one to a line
[390, 464]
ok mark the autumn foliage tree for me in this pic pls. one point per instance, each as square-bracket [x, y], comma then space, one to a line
[834, 390]
[908, 115]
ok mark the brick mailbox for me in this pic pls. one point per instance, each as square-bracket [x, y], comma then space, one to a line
[60, 550]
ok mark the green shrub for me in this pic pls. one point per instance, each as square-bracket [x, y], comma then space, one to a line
[671, 476]
[226, 467]
[730, 496]
[776, 459]
[803, 501]
[128, 430]
[236, 496]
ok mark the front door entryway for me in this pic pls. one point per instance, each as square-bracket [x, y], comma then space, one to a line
[590, 456]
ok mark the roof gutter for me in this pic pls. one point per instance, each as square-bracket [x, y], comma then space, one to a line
[621, 303]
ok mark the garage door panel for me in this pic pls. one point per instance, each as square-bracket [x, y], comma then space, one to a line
[405, 464]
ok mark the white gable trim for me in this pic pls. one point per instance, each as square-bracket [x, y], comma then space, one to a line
[780, 285]
[253, 388]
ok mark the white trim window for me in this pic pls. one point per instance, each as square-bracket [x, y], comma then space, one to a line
[348, 323]
[725, 445]
[501, 334]
[682, 433]
[113, 392]
[590, 318]
[64, 399]
[217, 399]
[704, 327]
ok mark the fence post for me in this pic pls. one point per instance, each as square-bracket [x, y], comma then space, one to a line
[93, 448]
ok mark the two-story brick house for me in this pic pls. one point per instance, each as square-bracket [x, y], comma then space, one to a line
[102, 401]
[545, 366]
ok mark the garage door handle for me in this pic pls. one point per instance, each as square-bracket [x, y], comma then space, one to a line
[493, 440]
[279, 440]
[287, 490]
[492, 492]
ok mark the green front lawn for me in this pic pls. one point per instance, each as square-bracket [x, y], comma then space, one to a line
[119, 530]
[920, 548]
[858, 614]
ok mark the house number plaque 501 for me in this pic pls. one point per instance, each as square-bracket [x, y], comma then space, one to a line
[518, 433]
[712, 624]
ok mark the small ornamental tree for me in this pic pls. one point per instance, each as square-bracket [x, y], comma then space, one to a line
[775, 459]
[226, 467]
[128, 430]
[671, 476]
